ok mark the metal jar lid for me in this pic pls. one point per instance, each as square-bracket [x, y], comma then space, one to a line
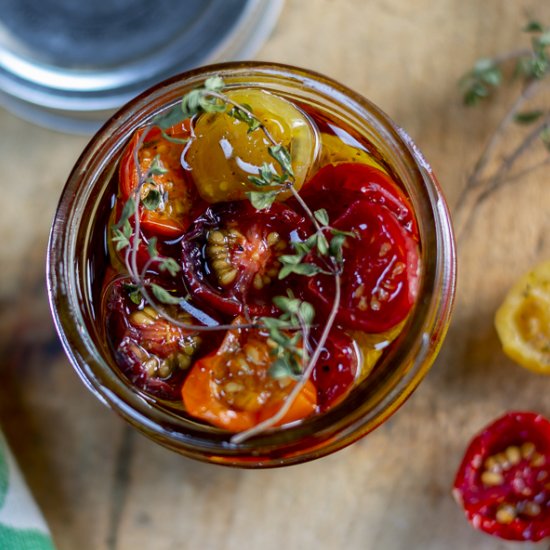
[67, 64]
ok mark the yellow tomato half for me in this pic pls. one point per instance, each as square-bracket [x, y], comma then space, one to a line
[223, 153]
[523, 320]
[340, 149]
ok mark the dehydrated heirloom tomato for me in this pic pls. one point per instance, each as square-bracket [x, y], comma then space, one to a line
[224, 151]
[230, 254]
[179, 201]
[523, 320]
[380, 273]
[336, 187]
[151, 351]
[503, 483]
[232, 388]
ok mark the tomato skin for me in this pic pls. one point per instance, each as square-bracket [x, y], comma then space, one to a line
[336, 370]
[253, 256]
[524, 483]
[183, 203]
[336, 187]
[242, 361]
[380, 274]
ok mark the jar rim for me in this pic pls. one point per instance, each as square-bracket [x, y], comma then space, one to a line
[312, 437]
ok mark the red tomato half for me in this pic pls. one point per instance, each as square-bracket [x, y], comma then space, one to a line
[503, 483]
[182, 202]
[336, 187]
[232, 388]
[381, 270]
[230, 254]
[336, 369]
[152, 352]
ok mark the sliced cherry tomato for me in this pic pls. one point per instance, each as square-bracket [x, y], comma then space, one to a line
[503, 483]
[523, 320]
[152, 352]
[344, 148]
[232, 388]
[381, 271]
[180, 203]
[224, 152]
[336, 370]
[336, 187]
[230, 254]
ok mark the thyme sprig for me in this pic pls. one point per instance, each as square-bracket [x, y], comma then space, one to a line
[532, 68]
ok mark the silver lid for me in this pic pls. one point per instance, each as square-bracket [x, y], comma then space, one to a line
[67, 64]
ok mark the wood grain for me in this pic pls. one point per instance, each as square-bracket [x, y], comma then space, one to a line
[104, 487]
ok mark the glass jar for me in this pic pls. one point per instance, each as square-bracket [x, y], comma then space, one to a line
[71, 281]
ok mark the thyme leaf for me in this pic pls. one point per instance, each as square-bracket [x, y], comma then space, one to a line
[245, 115]
[153, 200]
[527, 117]
[261, 200]
[163, 296]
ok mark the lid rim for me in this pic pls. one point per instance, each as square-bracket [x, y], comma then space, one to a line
[69, 93]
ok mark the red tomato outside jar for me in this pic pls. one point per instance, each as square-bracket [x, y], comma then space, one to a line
[73, 280]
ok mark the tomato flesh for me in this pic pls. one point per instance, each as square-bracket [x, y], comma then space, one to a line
[232, 388]
[503, 482]
[336, 370]
[152, 352]
[380, 272]
[230, 255]
[181, 202]
[335, 187]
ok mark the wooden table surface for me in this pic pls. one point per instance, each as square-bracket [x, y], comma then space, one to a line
[102, 486]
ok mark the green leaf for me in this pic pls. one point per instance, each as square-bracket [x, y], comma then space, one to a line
[543, 40]
[322, 245]
[308, 270]
[128, 210]
[493, 77]
[171, 117]
[172, 139]
[279, 338]
[483, 64]
[170, 265]
[134, 293]
[337, 247]
[533, 26]
[262, 200]
[281, 154]
[190, 103]
[274, 323]
[321, 216]
[290, 259]
[307, 312]
[527, 117]
[287, 305]
[241, 114]
[214, 84]
[157, 168]
[152, 247]
[211, 104]
[163, 296]
[267, 177]
[127, 229]
[280, 368]
[545, 136]
[121, 241]
[301, 248]
[152, 200]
